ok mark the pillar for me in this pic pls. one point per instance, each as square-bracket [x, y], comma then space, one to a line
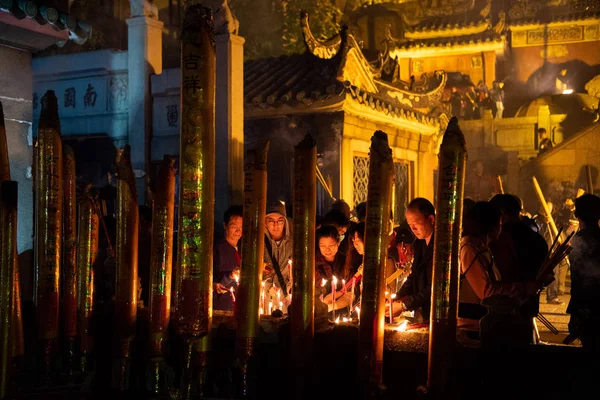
[145, 59]
[16, 97]
[229, 188]
[347, 172]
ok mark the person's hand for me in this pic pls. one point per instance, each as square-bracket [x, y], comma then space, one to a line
[220, 289]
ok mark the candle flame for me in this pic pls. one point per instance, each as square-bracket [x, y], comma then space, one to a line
[334, 280]
[337, 320]
[393, 295]
[344, 319]
[323, 282]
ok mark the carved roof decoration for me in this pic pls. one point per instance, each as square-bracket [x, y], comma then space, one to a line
[326, 49]
[334, 78]
[557, 18]
[79, 31]
[448, 42]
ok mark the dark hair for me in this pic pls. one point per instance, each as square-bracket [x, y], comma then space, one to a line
[327, 231]
[468, 203]
[482, 219]
[233, 211]
[336, 217]
[587, 208]
[541, 130]
[361, 211]
[360, 229]
[506, 203]
[421, 205]
[353, 259]
[341, 205]
[146, 212]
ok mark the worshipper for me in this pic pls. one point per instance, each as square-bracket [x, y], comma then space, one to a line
[480, 277]
[519, 251]
[361, 211]
[227, 260]
[553, 291]
[342, 206]
[415, 294]
[544, 143]
[329, 262]
[356, 250]
[584, 305]
[497, 96]
[341, 222]
[401, 253]
[471, 111]
[456, 103]
[279, 247]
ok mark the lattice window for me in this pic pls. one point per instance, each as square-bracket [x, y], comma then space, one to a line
[401, 187]
[361, 179]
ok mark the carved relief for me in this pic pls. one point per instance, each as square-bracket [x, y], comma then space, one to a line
[417, 66]
[519, 38]
[554, 35]
[476, 62]
[592, 32]
[117, 92]
[523, 9]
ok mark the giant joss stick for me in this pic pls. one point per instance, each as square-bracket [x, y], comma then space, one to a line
[16, 335]
[545, 207]
[444, 289]
[588, 179]
[302, 317]
[69, 259]
[87, 252]
[247, 307]
[197, 186]
[127, 263]
[48, 242]
[161, 264]
[379, 203]
[8, 263]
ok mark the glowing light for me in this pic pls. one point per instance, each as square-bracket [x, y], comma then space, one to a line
[567, 91]
[344, 319]
[337, 320]
[393, 296]
[403, 326]
[323, 282]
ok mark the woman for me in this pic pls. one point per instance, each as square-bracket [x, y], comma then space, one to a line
[329, 261]
[480, 278]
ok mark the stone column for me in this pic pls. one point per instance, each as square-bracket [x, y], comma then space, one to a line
[16, 98]
[145, 59]
[229, 188]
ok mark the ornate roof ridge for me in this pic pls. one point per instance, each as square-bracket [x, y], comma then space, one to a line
[436, 92]
[570, 17]
[79, 31]
[484, 37]
[327, 49]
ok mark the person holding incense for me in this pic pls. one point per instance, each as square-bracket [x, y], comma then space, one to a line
[584, 305]
[480, 276]
[227, 261]
[415, 294]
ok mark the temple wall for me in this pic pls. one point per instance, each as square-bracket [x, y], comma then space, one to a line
[92, 91]
[16, 96]
[478, 65]
[561, 171]
[528, 60]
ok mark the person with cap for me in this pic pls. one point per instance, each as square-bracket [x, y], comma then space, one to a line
[279, 248]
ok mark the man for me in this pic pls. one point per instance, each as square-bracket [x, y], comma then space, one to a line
[519, 251]
[471, 103]
[415, 294]
[584, 306]
[497, 96]
[227, 261]
[545, 143]
[279, 247]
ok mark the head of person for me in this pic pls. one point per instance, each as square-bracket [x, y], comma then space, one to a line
[587, 210]
[480, 83]
[358, 238]
[420, 216]
[232, 222]
[482, 222]
[478, 168]
[337, 219]
[328, 242]
[508, 205]
[542, 134]
[342, 206]
[467, 204]
[495, 84]
[361, 211]
[275, 220]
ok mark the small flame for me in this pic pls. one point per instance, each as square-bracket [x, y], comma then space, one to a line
[337, 320]
[334, 280]
[568, 91]
[344, 319]
[393, 296]
[323, 282]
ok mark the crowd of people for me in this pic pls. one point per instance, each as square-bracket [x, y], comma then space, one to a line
[501, 252]
[474, 101]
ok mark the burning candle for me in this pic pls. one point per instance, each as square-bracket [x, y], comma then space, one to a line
[333, 285]
[352, 294]
[358, 313]
[281, 306]
[278, 295]
[392, 297]
[260, 311]
[270, 307]
[232, 294]
[344, 284]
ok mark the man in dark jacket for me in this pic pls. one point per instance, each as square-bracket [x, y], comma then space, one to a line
[415, 294]
[226, 260]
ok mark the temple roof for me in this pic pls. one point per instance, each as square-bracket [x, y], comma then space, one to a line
[42, 14]
[335, 75]
[479, 38]
[557, 18]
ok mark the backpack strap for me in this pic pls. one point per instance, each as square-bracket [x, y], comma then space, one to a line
[276, 266]
[464, 274]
